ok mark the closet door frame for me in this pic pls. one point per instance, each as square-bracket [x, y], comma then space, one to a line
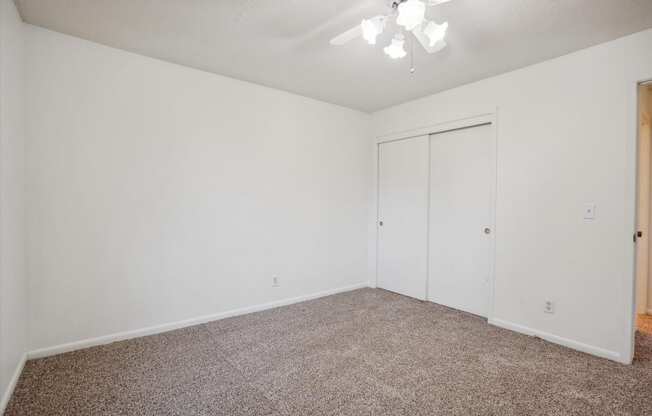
[457, 124]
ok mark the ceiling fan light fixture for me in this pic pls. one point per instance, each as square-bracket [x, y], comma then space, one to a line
[411, 14]
[371, 28]
[396, 50]
[435, 32]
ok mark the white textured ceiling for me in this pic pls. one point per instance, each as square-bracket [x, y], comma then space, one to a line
[284, 43]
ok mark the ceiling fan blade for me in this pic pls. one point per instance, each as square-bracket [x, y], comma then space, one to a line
[437, 2]
[352, 33]
[425, 42]
[347, 36]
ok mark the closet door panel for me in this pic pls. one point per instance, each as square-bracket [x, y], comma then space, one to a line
[462, 181]
[403, 216]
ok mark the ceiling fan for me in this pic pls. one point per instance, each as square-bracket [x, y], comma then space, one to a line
[409, 16]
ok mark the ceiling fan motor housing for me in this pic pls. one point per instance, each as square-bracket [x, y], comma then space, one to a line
[395, 3]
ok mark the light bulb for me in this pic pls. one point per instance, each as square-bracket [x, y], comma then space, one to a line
[435, 32]
[371, 28]
[395, 50]
[411, 14]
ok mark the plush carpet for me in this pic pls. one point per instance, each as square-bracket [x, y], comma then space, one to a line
[367, 352]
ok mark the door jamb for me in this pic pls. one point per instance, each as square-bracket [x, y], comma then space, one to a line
[632, 311]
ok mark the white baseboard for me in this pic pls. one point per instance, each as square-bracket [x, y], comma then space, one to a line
[589, 349]
[12, 384]
[121, 336]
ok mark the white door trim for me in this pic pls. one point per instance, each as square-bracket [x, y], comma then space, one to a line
[437, 128]
[442, 127]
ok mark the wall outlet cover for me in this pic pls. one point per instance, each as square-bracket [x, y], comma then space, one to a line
[549, 307]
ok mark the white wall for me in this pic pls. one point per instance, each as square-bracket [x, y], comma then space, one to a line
[566, 136]
[158, 193]
[13, 283]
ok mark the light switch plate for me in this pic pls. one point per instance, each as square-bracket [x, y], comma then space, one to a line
[589, 211]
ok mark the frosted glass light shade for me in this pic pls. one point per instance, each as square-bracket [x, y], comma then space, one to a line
[395, 50]
[435, 32]
[371, 28]
[411, 14]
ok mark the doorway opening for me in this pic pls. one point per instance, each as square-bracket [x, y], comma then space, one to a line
[643, 287]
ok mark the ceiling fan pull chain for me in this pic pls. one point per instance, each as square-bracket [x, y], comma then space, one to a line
[412, 68]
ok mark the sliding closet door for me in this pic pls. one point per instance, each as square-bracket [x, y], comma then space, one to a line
[403, 216]
[462, 172]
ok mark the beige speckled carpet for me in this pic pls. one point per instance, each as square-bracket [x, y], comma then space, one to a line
[367, 352]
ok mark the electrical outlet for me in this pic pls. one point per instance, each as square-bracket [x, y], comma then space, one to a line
[275, 281]
[589, 211]
[549, 307]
